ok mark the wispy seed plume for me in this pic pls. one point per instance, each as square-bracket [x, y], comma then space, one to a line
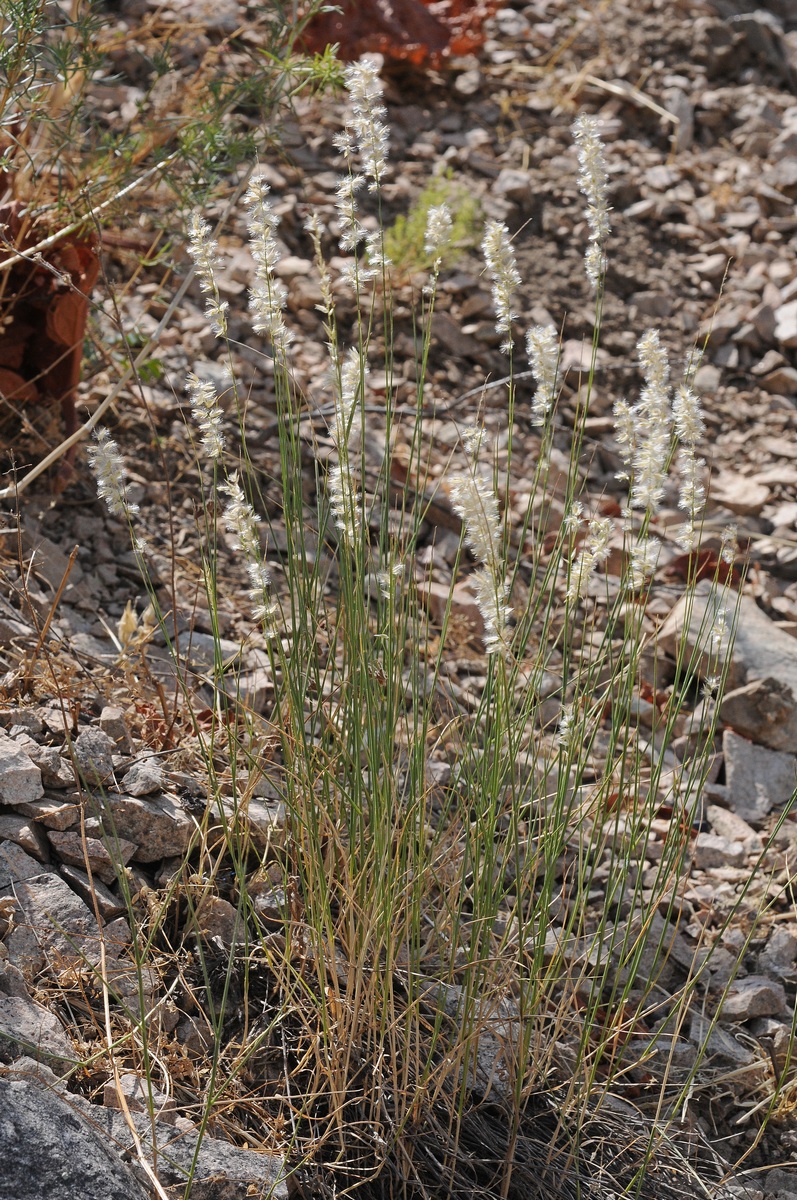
[592, 180]
[500, 258]
[111, 474]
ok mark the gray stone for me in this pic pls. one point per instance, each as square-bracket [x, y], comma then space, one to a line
[778, 959]
[159, 826]
[20, 778]
[786, 324]
[730, 825]
[25, 833]
[710, 850]
[680, 106]
[782, 382]
[763, 711]
[719, 1046]
[112, 722]
[15, 865]
[56, 771]
[138, 1096]
[221, 1171]
[144, 778]
[514, 185]
[52, 814]
[780, 1185]
[49, 1150]
[12, 981]
[217, 918]
[94, 756]
[92, 891]
[762, 33]
[261, 819]
[52, 923]
[760, 650]
[755, 996]
[28, 1029]
[105, 861]
[757, 779]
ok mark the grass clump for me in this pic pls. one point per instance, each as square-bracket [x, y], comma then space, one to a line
[446, 960]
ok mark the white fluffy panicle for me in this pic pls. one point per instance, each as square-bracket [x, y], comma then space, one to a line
[268, 295]
[368, 131]
[207, 414]
[477, 505]
[593, 183]
[689, 427]
[652, 425]
[205, 253]
[242, 522]
[438, 231]
[542, 345]
[109, 470]
[500, 258]
[594, 552]
[346, 432]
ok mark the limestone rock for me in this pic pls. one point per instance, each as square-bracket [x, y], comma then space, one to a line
[159, 826]
[763, 711]
[760, 649]
[20, 778]
[105, 861]
[755, 996]
[53, 921]
[28, 1029]
[757, 779]
[48, 1149]
[93, 753]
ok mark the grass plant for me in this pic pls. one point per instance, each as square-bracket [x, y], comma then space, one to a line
[450, 935]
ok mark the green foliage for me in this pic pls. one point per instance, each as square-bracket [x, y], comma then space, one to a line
[404, 240]
[63, 151]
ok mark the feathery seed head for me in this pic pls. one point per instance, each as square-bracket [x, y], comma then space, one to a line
[644, 559]
[351, 232]
[473, 440]
[439, 226]
[718, 634]
[344, 501]
[268, 295]
[567, 725]
[542, 345]
[491, 595]
[572, 520]
[389, 580]
[500, 258]
[592, 180]
[207, 414]
[353, 373]
[594, 552]
[475, 502]
[625, 432]
[367, 129]
[241, 520]
[111, 475]
[204, 251]
[652, 419]
[729, 545]
[688, 415]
